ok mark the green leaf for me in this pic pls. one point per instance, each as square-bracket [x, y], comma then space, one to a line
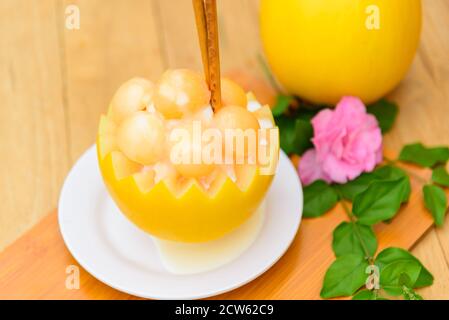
[364, 295]
[394, 173]
[319, 197]
[282, 104]
[351, 189]
[423, 156]
[348, 238]
[440, 176]
[367, 295]
[380, 201]
[295, 134]
[393, 274]
[385, 113]
[435, 201]
[345, 276]
[390, 255]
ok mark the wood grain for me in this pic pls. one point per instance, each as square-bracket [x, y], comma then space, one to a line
[55, 82]
[33, 138]
[423, 97]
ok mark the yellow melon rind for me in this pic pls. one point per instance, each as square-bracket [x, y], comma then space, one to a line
[193, 216]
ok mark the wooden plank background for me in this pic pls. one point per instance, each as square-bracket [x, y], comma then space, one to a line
[54, 84]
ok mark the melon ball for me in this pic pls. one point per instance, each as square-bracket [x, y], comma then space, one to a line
[232, 94]
[235, 117]
[141, 137]
[134, 95]
[206, 115]
[186, 150]
[230, 118]
[180, 92]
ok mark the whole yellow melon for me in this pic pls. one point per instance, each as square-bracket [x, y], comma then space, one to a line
[322, 50]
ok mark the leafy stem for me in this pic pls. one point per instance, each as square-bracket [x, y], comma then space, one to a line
[376, 197]
[355, 226]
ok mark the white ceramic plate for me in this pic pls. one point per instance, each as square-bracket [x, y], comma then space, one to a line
[122, 256]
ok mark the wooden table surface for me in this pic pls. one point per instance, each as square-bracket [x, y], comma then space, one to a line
[55, 82]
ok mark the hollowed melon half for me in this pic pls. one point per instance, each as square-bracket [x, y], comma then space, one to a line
[173, 210]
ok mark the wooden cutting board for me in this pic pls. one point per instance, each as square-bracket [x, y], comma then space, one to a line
[34, 267]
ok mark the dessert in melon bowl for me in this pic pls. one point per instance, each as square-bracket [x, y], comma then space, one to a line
[187, 199]
[180, 199]
[180, 170]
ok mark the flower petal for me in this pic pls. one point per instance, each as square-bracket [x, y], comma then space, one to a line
[309, 168]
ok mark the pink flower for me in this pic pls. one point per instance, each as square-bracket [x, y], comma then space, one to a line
[347, 141]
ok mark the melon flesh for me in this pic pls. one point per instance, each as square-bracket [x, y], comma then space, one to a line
[144, 180]
[123, 167]
[147, 177]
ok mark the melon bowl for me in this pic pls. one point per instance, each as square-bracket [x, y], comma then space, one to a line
[181, 210]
